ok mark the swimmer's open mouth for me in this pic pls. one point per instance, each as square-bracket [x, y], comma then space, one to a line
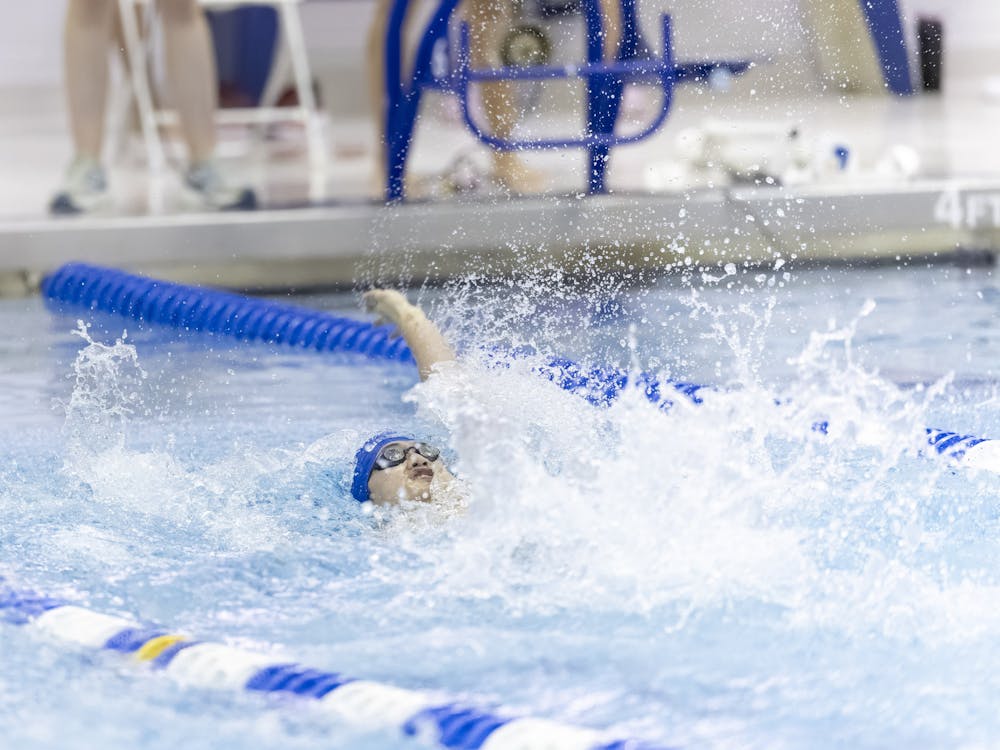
[422, 471]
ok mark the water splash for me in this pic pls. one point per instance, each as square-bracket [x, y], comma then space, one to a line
[106, 391]
[628, 509]
[152, 487]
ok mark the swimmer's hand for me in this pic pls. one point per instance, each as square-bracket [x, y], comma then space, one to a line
[391, 308]
[422, 336]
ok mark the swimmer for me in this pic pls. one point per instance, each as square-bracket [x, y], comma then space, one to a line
[390, 468]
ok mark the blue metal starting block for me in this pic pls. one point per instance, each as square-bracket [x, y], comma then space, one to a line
[605, 83]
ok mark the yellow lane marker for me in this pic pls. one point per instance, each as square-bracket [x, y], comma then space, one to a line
[156, 646]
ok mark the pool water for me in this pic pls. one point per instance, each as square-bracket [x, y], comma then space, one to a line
[713, 576]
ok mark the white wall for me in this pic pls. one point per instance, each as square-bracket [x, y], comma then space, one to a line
[31, 50]
[969, 24]
[31, 43]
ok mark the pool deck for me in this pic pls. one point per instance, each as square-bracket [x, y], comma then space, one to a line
[330, 246]
[656, 217]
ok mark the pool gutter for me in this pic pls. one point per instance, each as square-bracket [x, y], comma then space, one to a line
[333, 246]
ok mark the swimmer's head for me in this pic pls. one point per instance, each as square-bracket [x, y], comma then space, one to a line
[389, 468]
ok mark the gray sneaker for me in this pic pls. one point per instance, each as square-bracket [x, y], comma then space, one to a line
[84, 190]
[204, 186]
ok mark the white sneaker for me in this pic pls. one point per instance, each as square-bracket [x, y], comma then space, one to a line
[84, 190]
[204, 186]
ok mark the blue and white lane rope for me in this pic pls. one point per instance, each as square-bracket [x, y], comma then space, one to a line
[974, 452]
[363, 703]
[246, 318]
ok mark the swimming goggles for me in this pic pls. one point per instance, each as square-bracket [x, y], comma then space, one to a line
[394, 454]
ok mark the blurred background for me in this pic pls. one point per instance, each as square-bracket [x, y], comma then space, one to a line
[780, 97]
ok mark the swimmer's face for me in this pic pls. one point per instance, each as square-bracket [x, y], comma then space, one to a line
[415, 478]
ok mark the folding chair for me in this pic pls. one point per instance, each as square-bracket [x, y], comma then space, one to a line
[291, 49]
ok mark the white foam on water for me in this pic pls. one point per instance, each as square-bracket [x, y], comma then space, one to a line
[107, 396]
[629, 509]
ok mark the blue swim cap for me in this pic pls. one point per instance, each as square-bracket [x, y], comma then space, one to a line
[364, 462]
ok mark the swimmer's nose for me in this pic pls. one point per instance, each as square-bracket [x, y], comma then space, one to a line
[417, 460]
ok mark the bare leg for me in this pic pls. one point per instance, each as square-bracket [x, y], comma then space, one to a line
[611, 14]
[489, 21]
[191, 74]
[132, 123]
[87, 37]
[375, 57]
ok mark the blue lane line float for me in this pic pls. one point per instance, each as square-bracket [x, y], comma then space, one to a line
[974, 452]
[209, 310]
[245, 318]
[363, 703]
[199, 309]
[602, 385]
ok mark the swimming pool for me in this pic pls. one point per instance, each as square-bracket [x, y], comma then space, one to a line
[718, 576]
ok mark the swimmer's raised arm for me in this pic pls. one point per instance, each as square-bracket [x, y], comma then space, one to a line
[421, 335]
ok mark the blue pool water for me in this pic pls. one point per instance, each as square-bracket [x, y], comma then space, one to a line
[717, 576]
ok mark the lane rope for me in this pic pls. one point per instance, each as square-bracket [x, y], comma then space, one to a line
[365, 704]
[200, 309]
